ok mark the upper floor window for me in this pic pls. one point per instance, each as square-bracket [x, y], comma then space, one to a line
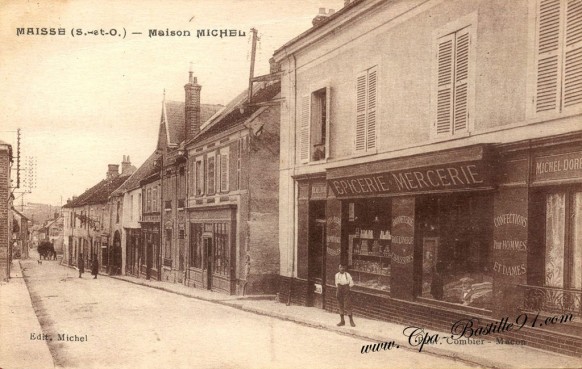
[453, 83]
[149, 200]
[199, 177]
[118, 207]
[131, 207]
[155, 199]
[211, 175]
[314, 131]
[558, 55]
[366, 103]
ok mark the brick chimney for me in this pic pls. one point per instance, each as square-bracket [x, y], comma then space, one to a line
[192, 106]
[126, 167]
[322, 16]
[274, 67]
[112, 171]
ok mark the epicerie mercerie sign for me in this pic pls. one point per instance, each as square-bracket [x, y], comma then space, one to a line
[447, 177]
[557, 167]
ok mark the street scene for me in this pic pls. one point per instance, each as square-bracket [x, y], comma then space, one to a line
[148, 328]
[334, 184]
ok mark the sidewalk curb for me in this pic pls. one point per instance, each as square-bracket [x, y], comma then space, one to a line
[429, 349]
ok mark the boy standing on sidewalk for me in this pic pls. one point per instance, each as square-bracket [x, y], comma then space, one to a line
[343, 282]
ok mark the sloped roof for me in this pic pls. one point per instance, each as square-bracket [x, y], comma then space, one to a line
[175, 113]
[20, 214]
[231, 115]
[99, 193]
[144, 171]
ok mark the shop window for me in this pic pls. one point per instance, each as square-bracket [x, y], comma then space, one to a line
[366, 112]
[563, 254]
[221, 250]
[453, 83]
[314, 130]
[168, 244]
[196, 245]
[369, 243]
[558, 56]
[455, 234]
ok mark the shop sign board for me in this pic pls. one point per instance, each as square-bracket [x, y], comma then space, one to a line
[557, 167]
[453, 176]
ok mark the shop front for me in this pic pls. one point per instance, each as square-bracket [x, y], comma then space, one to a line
[212, 249]
[485, 231]
[133, 251]
[418, 229]
[149, 258]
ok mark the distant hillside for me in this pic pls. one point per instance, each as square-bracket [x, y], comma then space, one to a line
[38, 213]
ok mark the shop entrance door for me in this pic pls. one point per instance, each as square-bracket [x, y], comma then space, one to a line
[149, 256]
[316, 255]
[207, 275]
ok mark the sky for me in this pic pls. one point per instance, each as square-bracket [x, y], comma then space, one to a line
[84, 102]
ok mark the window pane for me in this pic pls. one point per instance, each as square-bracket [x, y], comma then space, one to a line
[576, 274]
[555, 217]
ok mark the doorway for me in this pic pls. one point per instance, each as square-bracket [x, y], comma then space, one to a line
[316, 254]
[207, 244]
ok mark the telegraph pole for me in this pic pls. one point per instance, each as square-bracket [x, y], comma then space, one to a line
[253, 52]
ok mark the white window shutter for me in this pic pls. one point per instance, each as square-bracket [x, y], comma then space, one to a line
[573, 54]
[461, 112]
[361, 87]
[372, 99]
[549, 56]
[224, 173]
[327, 121]
[445, 65]
[304, 129]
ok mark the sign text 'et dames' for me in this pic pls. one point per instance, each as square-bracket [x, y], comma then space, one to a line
[437, 178]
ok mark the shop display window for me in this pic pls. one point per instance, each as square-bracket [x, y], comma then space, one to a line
[221, 249]
[454, 234]
[196, 245]
[368, 239]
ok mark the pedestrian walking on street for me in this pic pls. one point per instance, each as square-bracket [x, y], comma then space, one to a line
[95, 267]
[343, 282]
[81, 265]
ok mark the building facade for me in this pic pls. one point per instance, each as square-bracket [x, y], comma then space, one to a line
[434, 148]
[20, 235]
[232, 187]
[5, 213]
[88, 225]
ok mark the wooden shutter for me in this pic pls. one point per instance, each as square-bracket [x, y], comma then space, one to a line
[224, 173]
[217, 171]
[573, 54]
[371, 108]
[461, 112]
[304, 129]
[549, 56]
[361, 111]
[327, 121]
[445, 65]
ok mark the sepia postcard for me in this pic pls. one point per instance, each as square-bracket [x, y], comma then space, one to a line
[291, 184]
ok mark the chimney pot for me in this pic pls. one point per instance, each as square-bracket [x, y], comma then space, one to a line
[347, 2]
[322, 11]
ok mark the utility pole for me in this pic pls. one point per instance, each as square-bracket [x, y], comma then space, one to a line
[252, 73]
